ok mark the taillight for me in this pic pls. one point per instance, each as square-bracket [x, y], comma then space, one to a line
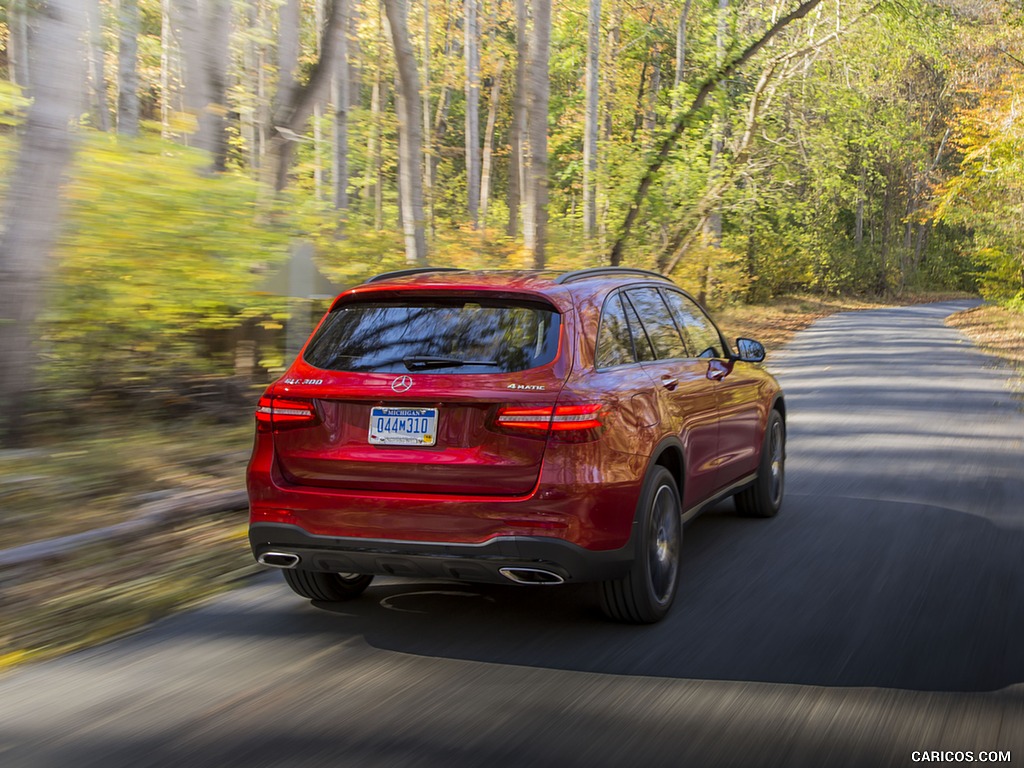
[279, 413]
[576, 419]
[531, 419]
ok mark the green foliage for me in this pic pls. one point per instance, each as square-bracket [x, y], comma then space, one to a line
[13, 104]
[987, 196]
[157, 257]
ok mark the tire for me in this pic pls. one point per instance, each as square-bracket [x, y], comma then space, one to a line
[326, 587]
[645, 594]
[764, 497]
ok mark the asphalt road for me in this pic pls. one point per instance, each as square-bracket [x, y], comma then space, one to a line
[882, 613]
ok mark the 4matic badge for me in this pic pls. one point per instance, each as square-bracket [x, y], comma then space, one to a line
[528, 387]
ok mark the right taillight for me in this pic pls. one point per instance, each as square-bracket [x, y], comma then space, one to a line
[274, 414]
[570, 422]
[568, 418]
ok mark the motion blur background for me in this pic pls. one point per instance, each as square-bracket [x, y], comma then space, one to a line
[182, 180]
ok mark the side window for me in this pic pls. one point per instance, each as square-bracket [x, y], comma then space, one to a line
[641, 342]
[702, 337]
[614, 346]
[661, 330]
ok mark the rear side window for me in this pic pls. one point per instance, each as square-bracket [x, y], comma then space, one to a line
[661, 330]
[642, 345]
[442, 335]
[614, 346]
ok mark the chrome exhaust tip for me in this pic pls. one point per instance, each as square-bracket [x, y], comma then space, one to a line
[278, 559]
[531, 576]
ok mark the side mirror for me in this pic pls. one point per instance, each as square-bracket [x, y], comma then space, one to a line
[750, 351]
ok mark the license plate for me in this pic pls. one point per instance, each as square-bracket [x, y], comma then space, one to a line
[403, 426]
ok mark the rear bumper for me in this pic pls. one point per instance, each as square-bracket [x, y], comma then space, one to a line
[469, 562]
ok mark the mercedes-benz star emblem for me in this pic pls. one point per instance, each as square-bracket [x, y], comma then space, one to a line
[402, 384]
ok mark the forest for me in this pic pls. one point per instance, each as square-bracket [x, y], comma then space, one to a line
[163, 160]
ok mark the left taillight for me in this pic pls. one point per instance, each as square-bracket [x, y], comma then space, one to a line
[274, 414]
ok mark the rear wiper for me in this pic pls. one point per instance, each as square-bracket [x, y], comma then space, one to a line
[413, 362]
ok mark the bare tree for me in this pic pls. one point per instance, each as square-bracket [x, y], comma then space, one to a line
[33, 202]
[410, 152]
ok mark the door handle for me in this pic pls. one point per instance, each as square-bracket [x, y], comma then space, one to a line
[717, 371]
[669, 383]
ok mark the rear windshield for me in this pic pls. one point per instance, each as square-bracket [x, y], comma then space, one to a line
[442, 335]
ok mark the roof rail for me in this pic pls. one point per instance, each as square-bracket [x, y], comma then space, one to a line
[582, 274]
[412, 271]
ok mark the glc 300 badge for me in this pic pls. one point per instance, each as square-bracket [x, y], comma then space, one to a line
[402, 384]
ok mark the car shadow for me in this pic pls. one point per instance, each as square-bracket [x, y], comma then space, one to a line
[830, 593]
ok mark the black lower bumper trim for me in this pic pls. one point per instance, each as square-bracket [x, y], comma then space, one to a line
[468, 562]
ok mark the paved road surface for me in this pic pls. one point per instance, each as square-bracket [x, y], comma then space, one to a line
[881, 613]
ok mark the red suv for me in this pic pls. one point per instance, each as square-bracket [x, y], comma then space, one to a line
[513, 427]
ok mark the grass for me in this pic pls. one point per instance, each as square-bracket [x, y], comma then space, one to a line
[999, 331]
[77, 482]
[774, 324]
[111, 588]
[101, 475]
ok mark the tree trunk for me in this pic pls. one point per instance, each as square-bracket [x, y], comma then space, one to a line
[713, 229]
[472, 52]
[651, 114]
[537, 117]
[492, 116]
[204, 35]
[340, 101]
[216, 44]
[166, 46]
[33, 200]
[187, 21]
[249, 80]
[127, 68]
[318, 110]
[98, 106]
[428, 149]
[590, 126]
[517, 131]
[293, 102]
[713, 223]
[18, 44]
[375, 186]
[681, 49]
[409, 128]
[279, 144]
[611, 59]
